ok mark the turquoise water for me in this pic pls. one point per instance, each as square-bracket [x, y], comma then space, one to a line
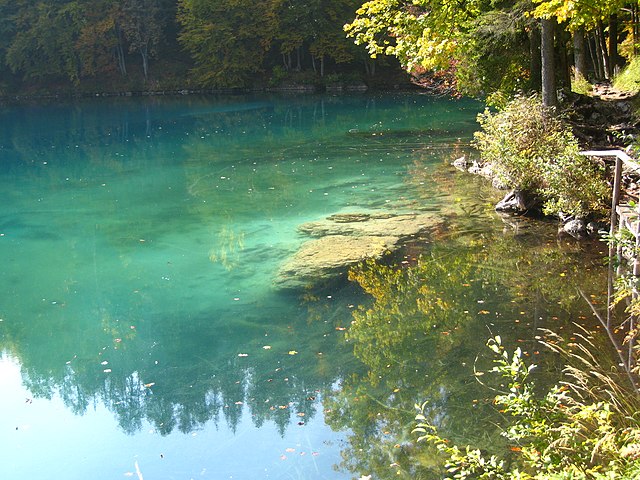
[140, 331]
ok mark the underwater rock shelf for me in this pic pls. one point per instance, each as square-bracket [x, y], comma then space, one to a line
[343, 240]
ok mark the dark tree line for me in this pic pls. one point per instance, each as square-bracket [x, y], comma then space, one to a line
[206, 43]
[491, 46]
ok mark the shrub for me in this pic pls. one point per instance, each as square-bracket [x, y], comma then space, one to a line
[586, 428]
[533, 150]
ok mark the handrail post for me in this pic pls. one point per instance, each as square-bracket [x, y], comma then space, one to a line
[615, 199]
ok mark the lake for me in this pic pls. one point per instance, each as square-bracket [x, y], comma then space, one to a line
[141, 334]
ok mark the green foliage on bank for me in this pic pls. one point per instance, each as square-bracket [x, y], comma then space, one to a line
[629, 79]
[533, 150]
[584, 428]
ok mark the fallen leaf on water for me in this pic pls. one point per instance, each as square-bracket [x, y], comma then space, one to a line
[292, 352]
[283, 457]
[340, 329]
[149, 385]
[484, 312]
[243, 354]
[289, 450]
[267, 347]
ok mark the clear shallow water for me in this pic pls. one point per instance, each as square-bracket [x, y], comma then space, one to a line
[140, 331]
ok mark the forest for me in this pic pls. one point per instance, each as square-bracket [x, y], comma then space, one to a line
[477, 47]
[165, 44]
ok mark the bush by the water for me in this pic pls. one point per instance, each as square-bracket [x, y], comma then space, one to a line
[533, 150]
[586, 428]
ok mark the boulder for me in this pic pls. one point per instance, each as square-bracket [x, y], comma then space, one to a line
[329, 257]
[516, 202]
[594, 228]
[343, 240]
[363, 224]
[577, 228]
[461, 163]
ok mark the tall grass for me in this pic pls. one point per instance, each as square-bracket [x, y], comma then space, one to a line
[629, 79]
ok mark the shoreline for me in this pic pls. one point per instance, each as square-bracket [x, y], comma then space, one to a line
[304, 89]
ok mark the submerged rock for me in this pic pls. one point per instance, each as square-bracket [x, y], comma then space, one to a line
[343, 240]
[329, 257]
[363, 224]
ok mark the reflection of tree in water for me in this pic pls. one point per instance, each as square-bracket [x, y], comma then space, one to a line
[185, 375]
[428, 323]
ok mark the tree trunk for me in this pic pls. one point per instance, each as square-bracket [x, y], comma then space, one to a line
[613, 45]
[549, 94]
[635, 34]
[604, 54]
[122, 66]
[322, 66]
[286, 61]
[535, 55]
[144, 53]
[370, 66]
[564, 69]
[596, 58]
[579, 55]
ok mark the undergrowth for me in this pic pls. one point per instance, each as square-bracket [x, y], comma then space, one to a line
[629, 79]
[584, 428]
[531, 149]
